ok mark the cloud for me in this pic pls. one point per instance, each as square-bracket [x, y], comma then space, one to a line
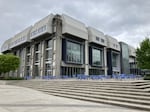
[126, 20]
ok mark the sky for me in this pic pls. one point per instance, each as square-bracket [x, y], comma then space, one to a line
[125, 20]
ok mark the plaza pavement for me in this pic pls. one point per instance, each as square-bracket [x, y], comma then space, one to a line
[19, 99]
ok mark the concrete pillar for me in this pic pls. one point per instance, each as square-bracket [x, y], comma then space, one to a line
[24, 61]
[57, 45]
[105, 60]
[58, 56]
[42, 53]
[86, 58]
[54, 57]
[32, 60]
[18, 70]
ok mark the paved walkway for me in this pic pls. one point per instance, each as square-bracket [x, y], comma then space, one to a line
[19, 99]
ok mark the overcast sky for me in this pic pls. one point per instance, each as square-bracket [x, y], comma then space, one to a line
[125, 20]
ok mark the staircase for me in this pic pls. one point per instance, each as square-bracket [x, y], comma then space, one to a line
[131, 94]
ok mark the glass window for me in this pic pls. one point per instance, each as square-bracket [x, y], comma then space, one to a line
[74, 52]
[44, 27]
[97, 38]
[48, 54]
[37, 57]
[37, 70]
[37, 47]
[28, 59]
[97, 57]
[28, 50]
[114, 60]
[48, 69]
[48, 43]
[102, 40]
[125, 58]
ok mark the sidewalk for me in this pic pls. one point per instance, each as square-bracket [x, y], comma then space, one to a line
[19, 99]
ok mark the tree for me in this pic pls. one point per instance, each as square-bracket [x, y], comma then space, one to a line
[8, 62]
[143, 54]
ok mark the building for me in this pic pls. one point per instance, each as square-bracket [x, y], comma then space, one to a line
[113, 55]
[134, 69]
[60, 45]
[125, 68]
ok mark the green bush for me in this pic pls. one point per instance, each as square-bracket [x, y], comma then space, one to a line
[11, 78]
[147, 77]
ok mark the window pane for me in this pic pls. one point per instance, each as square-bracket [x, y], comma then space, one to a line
[114, 60]
[37, 47]
[48, 54]
[28, 50]
[48, 69]
[49, 43]
[37, 70]
[74, 52]
[96, 57]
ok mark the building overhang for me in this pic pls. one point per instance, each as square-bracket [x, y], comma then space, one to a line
[20, 38]
[112, 43]
[5, 46]
[42, 27]
[132, 51]
[96, 36]
[73, 27]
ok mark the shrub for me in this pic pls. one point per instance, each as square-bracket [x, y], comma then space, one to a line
[11, 78]
[147, 77]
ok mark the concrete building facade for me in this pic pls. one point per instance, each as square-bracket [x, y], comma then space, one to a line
[60, 45]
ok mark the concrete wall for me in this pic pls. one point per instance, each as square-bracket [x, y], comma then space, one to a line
[112, 43]
[41, 27]
[96, 36]
[74, 27]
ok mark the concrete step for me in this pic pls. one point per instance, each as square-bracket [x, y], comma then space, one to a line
[83, 82]
[98, 87]
[143, 87]
[84, 86]
[118, 103]
[145, 94]
[107, 93]
[89, 83]
[85, 92]
[111, 93]
[102, 96]
[126, 85]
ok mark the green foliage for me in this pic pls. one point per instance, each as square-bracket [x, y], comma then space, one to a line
[147, 77]
[143, 54]
[8, 62]
[11, 78]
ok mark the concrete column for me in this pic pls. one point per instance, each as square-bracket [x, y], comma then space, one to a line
[24, 61]
[58, 56]
[42, 52]
[32, 60]
[18, 70]
[105, 60]
[25, 55]
[57, 45]
[86, 58]
[54, 57]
